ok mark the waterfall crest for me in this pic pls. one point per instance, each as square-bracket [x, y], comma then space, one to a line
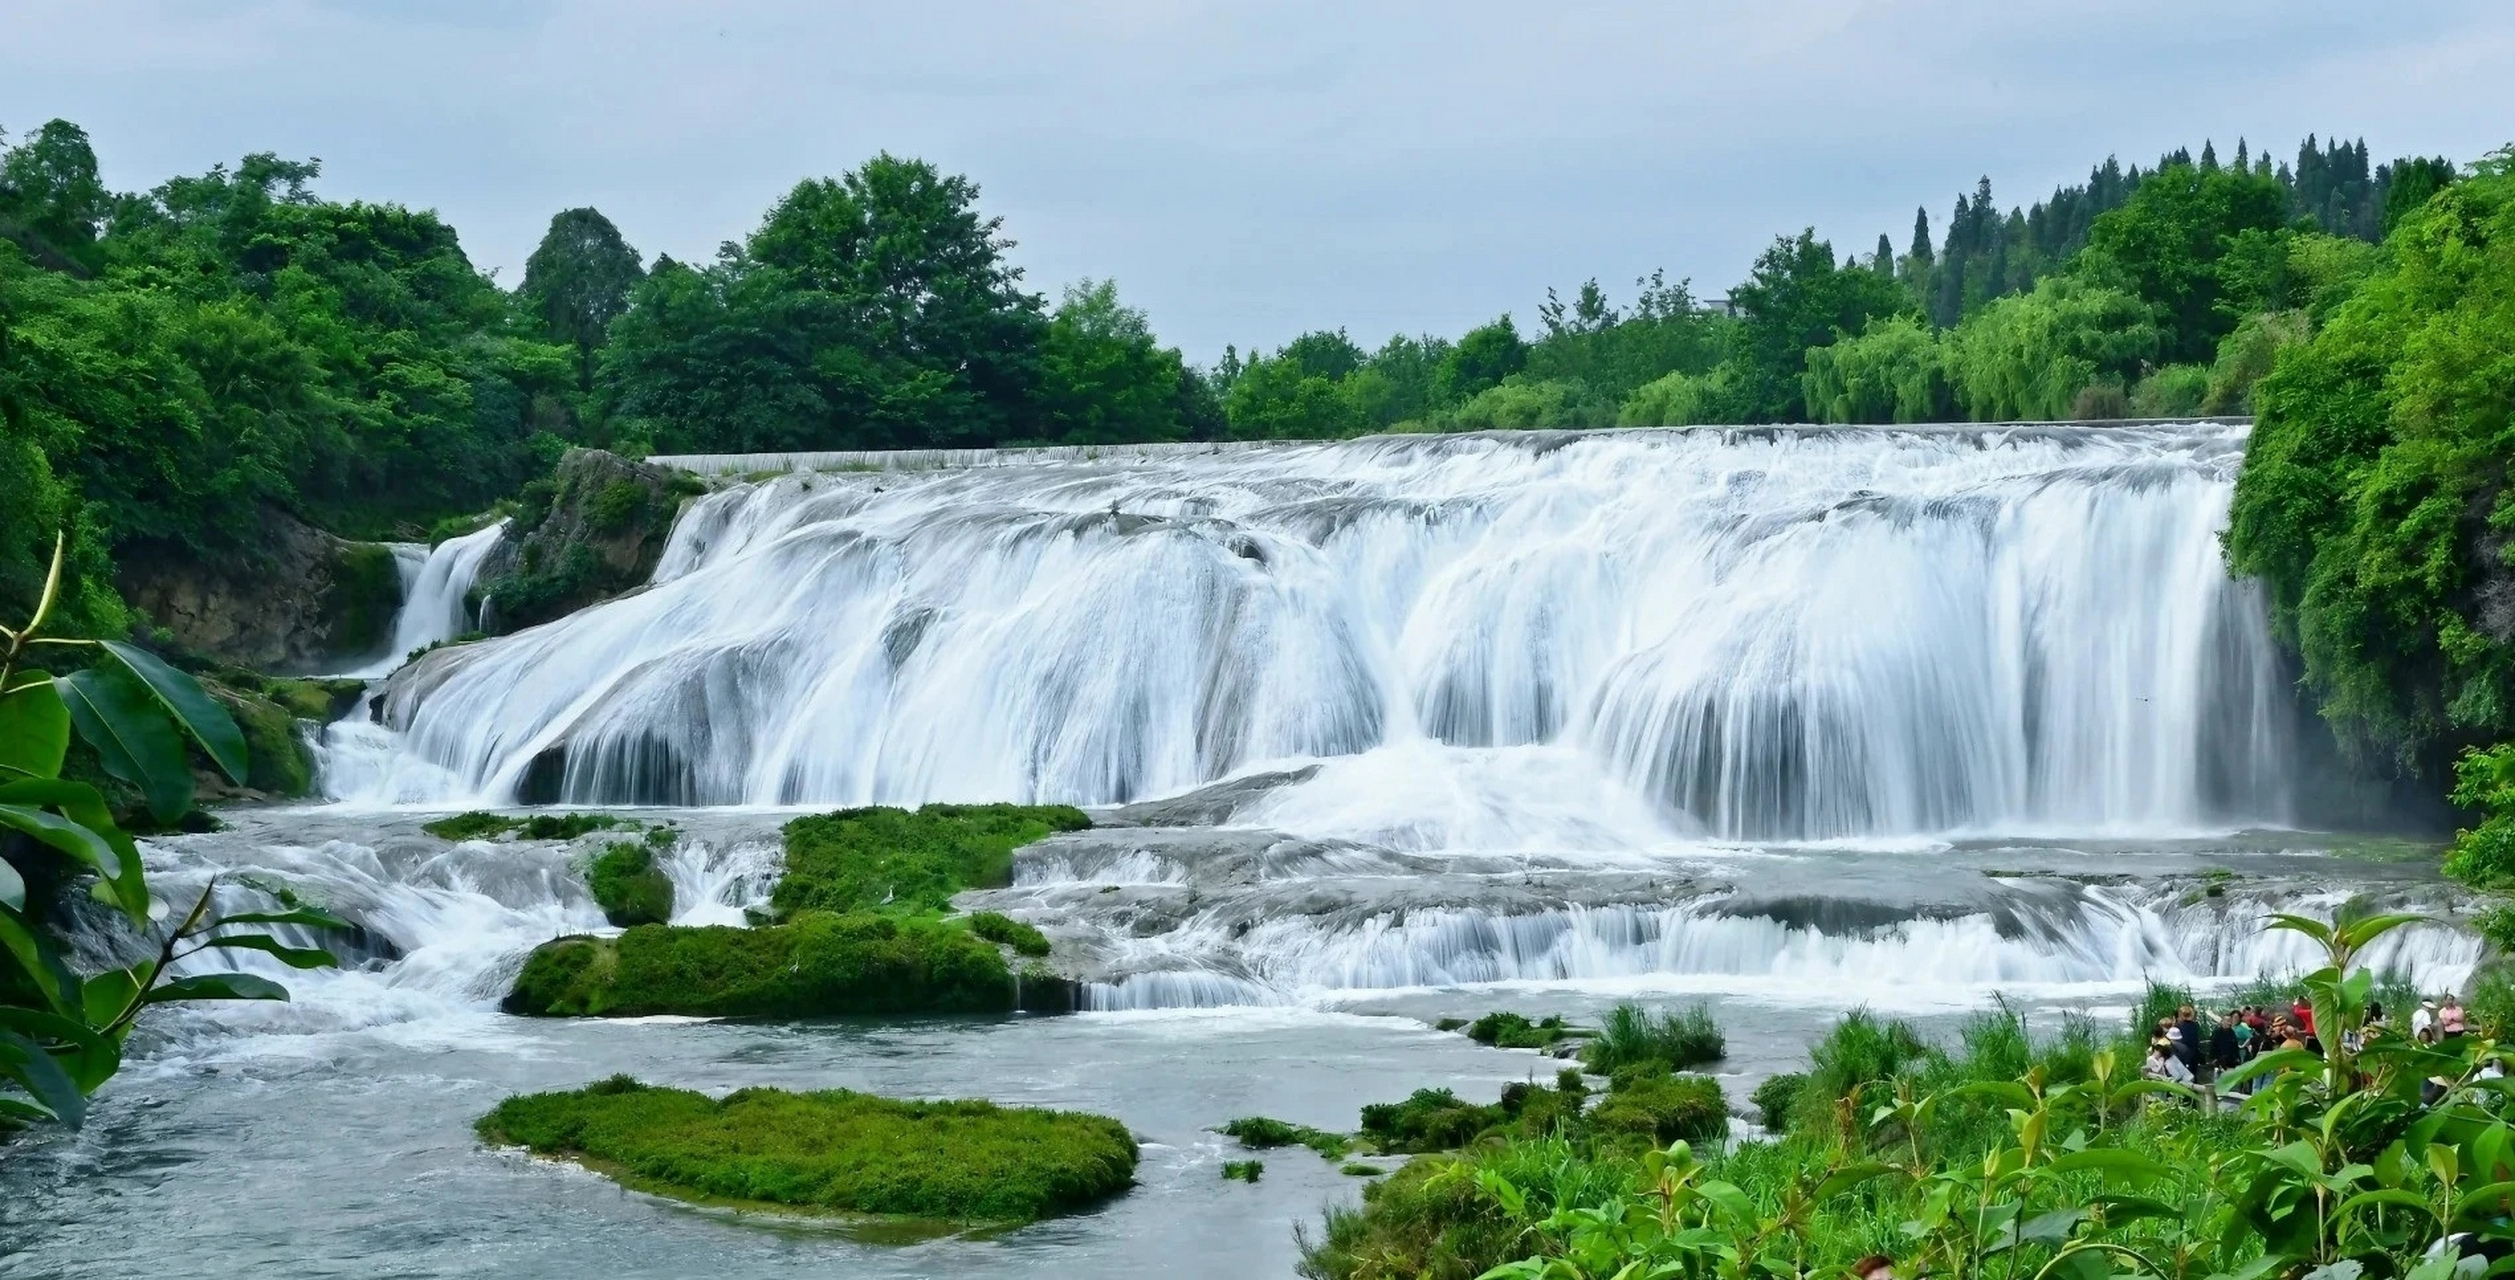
[1773, 633]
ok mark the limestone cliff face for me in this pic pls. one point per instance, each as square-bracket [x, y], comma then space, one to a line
[593, 530]
[308, 601]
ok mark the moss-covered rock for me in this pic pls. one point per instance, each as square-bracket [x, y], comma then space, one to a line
[303, 600]
[833, 1151]
[627, 884]
[594, 528]
[1004, 930]
[906, 861]
[816, 965]
[318, 698]
[480, 824]
[359, 603]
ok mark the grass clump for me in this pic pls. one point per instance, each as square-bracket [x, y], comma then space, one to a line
[627, 884]
[1674, 1041]
[830, 1151]
[1263, 1133]
[814, 965]
[1515, 1031]
[1004, 930]
[480, 824]
[1658, 1108]
[1243, 1170]
[1357, 1169]
[902, 861]
[1776, 1098]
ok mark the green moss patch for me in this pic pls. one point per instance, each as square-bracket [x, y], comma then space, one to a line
[833, 1151]
[1004, 930]
[1515, 1031]
[480, 824]
[901, 861]
[627, 884]
[815, 965]
[365, 593]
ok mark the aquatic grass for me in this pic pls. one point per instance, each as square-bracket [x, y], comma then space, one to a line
[904, 861]
[1264, 1133]
[480, 824]
[830, 1151]
[997, 927]
[1629, 1036]
[1243, 1170]
[627, 884]
[816, 965]
[1505, 1030]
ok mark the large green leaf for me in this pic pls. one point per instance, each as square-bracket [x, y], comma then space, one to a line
[200, 715]
[219, 986]
[83, 807]
[24, 1063]
[60, 833]
[12, 887]
[133, 738]
[34, 730]
[88, 1058]
[41, 964]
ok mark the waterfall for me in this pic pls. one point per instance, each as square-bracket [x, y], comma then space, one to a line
[1771, 633]
[434, 582]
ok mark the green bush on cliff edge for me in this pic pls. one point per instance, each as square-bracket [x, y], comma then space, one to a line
[833, 1151]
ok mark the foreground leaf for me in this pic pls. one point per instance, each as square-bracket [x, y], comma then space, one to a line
[218, 986]
[132, 737]
[25, 1064]
[34, 730]
[199, 714]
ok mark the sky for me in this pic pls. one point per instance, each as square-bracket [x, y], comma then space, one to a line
[1247, 171]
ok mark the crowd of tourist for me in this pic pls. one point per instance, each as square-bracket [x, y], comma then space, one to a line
[2186, 1051]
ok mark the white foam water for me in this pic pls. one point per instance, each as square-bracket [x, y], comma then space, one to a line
[1771, 633]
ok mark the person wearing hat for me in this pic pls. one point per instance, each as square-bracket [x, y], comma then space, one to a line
[2423, 1022]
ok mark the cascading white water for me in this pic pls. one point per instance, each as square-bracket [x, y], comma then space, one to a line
[356, 760]
[1765, 634]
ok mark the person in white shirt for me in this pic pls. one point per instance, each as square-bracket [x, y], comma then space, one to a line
[2423, 1022]
[2164, 1064]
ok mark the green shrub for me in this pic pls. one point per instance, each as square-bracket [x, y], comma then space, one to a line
[628, 886]
[364, 594]
[476, 824]
[620, 504]
[1844, 1068]
[1243, 1170]
[1514, 1031]
[1629, 1036]
[834, 1150]
[1357, 1169]
[997, 927]
[1660, 1108]
[1776, 1098]
[2175, 391]
[1262, 1133]
[895, 860]
[1427, 1222]
[814, 965]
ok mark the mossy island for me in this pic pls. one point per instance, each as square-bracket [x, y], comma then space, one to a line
[857, 925]
[829, 1152]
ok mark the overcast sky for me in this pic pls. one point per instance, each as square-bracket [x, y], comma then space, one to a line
[1250, 170]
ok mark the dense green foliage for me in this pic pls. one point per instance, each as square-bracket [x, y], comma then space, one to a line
[908, 861]
[627, 884]
[831, 1151]
[815, 965]
[2004, 1155]
[2372, 500]
[1243, 1170]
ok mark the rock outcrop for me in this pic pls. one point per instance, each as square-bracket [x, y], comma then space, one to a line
[591, 531]
[307, 601]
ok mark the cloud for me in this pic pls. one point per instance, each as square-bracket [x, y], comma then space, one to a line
[1246, 172]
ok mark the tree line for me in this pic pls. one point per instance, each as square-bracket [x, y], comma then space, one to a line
[176, 363]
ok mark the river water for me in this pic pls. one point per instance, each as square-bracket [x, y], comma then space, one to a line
[1784, 721]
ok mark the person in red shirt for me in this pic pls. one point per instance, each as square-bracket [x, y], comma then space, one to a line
[2303, 1013]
